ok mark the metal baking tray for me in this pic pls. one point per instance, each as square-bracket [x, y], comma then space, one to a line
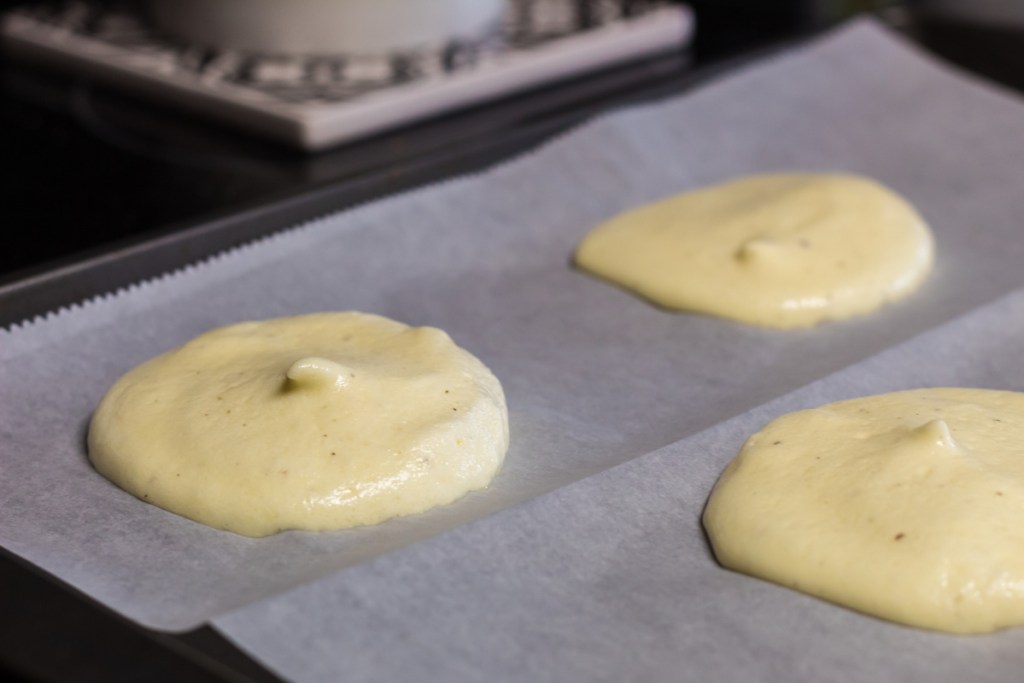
[456, 144]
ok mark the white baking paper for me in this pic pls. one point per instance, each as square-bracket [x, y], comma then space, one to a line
[611, 578]
[594, 377]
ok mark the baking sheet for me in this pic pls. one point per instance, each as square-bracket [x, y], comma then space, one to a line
[594, 376]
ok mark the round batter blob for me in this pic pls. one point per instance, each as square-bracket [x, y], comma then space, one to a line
[907, 506]
[321, 421]
[785, 250]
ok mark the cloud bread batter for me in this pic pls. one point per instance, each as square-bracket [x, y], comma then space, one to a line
[321, 421]
[783, 250]
[907, 506]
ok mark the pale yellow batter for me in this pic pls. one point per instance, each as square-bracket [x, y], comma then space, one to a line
[320, 421]
[785, 250]
[907, 506]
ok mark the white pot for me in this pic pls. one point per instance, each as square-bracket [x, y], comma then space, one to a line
[324, 26]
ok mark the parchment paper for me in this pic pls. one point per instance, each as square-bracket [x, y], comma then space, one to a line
[594, 376]
[611, 579]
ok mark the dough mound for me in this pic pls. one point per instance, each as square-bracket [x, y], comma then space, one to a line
[320, 421]
[906, 506]
[780, 250]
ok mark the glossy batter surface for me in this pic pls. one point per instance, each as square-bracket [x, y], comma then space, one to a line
[321, 421]
[907, 506]
[780, 250]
